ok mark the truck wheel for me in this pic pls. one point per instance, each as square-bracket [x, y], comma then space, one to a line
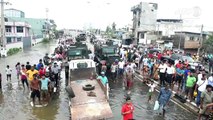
[88, 87]
[70, 92]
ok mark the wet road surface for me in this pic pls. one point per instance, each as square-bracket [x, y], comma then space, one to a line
[143, 109]
[15, 101]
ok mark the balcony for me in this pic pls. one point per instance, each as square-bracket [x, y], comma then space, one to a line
[10, 34]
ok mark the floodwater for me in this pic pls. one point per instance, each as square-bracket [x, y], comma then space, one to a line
[15, 101]
[143, 109]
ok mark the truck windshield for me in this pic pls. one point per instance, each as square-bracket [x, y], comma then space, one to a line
[74, 52]
[82, 73]
[109, 50]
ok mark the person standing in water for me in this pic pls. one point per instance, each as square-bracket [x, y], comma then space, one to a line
[8, 73]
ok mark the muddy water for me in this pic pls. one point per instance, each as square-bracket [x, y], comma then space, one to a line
[15, 101]
[143, 109]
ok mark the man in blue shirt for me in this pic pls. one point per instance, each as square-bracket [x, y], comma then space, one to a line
[44, 87]
[183, 84]
[103, 79]
[179, 76]
[163, 98]
[39, 65]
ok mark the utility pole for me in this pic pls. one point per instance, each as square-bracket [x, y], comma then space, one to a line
[3, 39]
[180, 32]
[201, 40]
[47, 26]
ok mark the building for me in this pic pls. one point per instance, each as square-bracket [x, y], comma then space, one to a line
[14, 13]
[17, 34]
[168, 27]
[189, 41]
[144, 22]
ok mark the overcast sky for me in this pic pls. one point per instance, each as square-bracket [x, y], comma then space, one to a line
[100, 13]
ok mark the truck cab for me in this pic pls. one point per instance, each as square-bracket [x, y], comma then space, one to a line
[77, 51]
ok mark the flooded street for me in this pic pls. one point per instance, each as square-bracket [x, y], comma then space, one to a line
[15, 101]
[143, 109]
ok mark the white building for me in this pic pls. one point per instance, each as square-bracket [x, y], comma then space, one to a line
[14, 13]
[144, 21]
[17, 34]
[168, 27]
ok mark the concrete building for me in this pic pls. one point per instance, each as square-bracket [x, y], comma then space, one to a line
[168, 27]
[189, 41]
[144, 22]
[14, 13]
[17, 35]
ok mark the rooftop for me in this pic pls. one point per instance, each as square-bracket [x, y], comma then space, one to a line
[188, 32]
[170, 20]
[13, 9]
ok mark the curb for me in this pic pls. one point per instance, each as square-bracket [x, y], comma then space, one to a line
[187, 105]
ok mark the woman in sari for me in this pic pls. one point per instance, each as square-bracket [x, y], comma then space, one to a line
[155, 70]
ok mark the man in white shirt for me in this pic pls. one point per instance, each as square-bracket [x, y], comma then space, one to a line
[201, 87]
[145, 61]
[162, 67]
[121, 67]
[170, 71]
[132, 67]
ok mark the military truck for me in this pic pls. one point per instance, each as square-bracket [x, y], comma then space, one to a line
[107, 53]
[78, 50]
[81, 37]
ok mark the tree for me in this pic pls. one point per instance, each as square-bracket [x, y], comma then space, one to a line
[207, 45]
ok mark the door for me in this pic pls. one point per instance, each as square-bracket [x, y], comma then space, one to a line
[26, 42]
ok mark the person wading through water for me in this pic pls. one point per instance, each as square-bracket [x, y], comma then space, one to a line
[128, 78]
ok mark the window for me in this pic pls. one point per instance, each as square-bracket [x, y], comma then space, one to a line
[19, 29]
[192, 38]
[142, 36]
[8, 29]
[9, 40]
[18, 39]
[82, 65]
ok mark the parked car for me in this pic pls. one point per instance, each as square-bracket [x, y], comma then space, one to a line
[192, 63]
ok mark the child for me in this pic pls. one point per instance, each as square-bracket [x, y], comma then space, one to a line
[151, 90]
[146, 73]
[8, 72]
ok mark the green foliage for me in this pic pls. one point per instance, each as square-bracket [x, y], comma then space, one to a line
[13, 51]
[45, 40]
[207, 45]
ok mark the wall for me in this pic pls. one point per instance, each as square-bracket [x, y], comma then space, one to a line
[148, 17]
[14, 45]
[36, 41]
[169, 28]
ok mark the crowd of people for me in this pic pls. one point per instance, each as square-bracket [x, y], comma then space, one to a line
[196, 85]
[42, 79]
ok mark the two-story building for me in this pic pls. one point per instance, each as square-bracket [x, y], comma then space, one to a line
[189, 41]
[17, 34]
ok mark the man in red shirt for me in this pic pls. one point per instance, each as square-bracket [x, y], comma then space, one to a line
[179, 64]
[42, 71]
[127, 109]
[159, 56]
